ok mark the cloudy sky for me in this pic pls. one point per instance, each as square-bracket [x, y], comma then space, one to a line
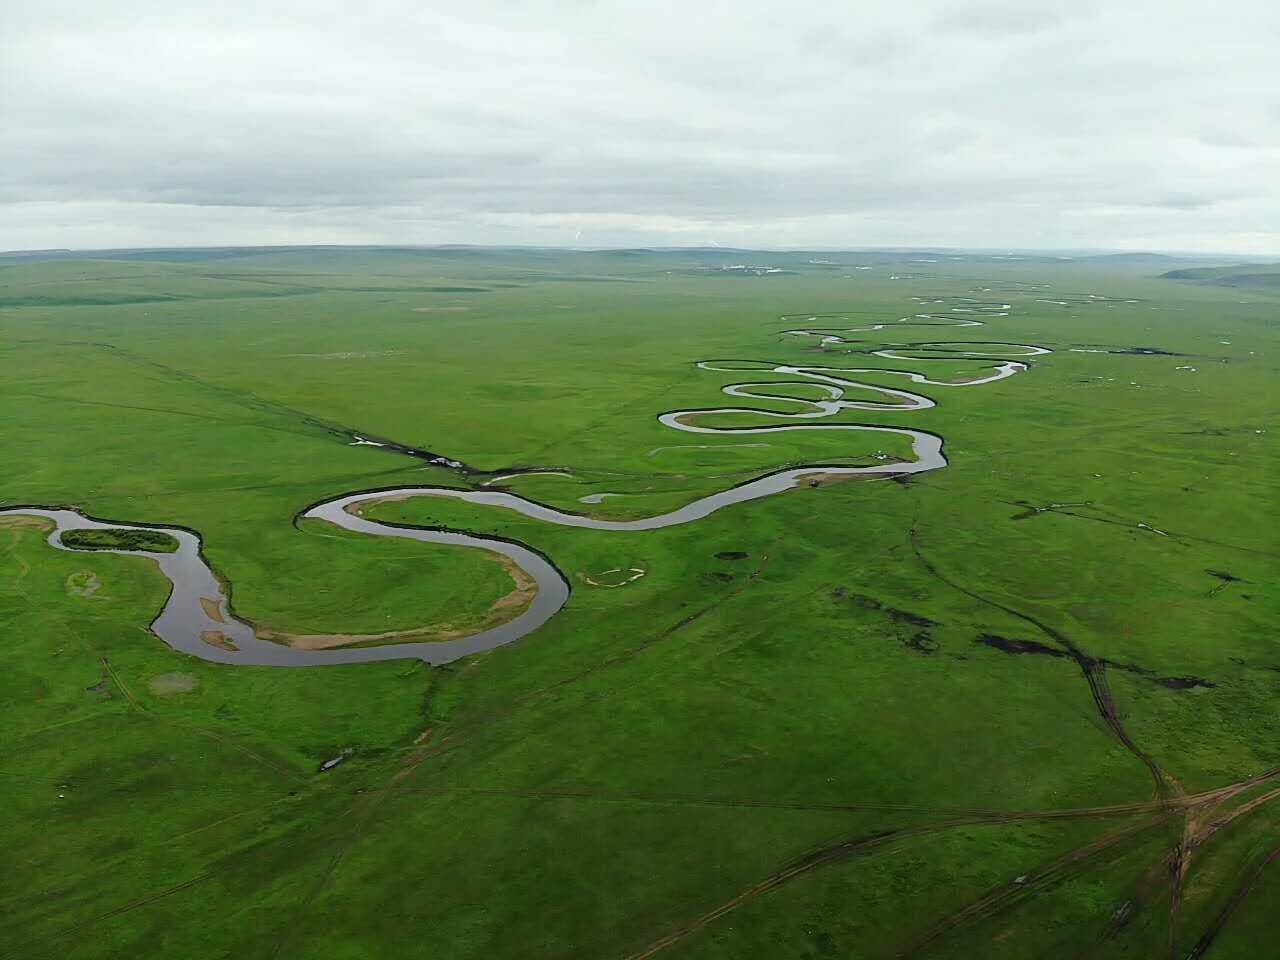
[971, 123]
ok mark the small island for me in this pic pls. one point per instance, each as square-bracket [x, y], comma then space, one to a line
[153, 541]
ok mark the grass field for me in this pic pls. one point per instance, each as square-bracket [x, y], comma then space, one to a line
[1025, 706]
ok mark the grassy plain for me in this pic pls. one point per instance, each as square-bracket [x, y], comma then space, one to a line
[807, 751]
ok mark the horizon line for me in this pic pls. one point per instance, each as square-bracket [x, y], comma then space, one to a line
[1060, 252]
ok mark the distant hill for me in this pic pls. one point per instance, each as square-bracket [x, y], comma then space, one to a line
[1239, 275]
[34, 254]
[1153, 258]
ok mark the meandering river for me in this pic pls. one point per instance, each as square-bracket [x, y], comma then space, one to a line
[197, 618]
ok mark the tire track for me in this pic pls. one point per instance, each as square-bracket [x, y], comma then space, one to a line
[1246, 885]
[1093, 669]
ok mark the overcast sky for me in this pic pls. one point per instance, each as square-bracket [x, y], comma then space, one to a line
[974, 123]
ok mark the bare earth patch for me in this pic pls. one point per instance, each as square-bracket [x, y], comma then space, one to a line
[357, 509]
[615, 577]
[83, 583]
[18, 520]
[216, 638]
[211, 610]
[827, 479]
[14, 524]
[168, 684]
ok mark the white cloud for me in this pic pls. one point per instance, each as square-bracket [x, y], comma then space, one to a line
[996, 123]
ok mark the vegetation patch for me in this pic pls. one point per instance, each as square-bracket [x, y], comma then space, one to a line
[151, 541]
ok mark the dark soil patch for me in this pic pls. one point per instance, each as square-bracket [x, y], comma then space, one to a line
[1227, 580]
[1147, 352]
[906, 616]
[1183, 683]
[1033, 510]
[732, 555]
[1134, 351]
[1016, 645]
[871, 603]
[921, 643]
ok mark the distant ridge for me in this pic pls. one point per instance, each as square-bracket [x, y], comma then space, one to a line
[706, 251]
[25, 254]
[1237, 275]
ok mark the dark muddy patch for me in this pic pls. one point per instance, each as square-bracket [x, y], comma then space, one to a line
[1017, 645]
[1148, 352]
[921, 642]
[1134, 351]
[861, 600]
[1226, 578]
[871, 603]
[1034, 509]
[718, 576]
[906, 616]
[732, 555]
[1182, 683]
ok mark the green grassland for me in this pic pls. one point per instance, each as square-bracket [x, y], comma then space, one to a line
[986, 712]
